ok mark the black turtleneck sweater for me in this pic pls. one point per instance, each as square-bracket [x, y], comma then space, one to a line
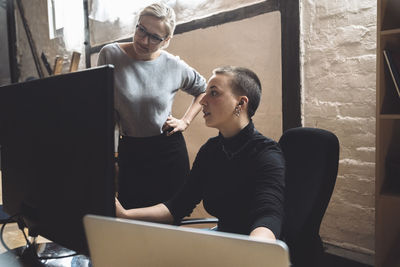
[240, 180]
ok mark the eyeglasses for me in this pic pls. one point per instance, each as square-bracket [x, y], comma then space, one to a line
[153, 39]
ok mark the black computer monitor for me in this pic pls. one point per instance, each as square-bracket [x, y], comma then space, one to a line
[57, 153]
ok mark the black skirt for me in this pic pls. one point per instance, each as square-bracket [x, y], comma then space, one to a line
[151, 169]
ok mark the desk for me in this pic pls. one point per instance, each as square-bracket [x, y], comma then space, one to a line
[14, 239]
[49, 249]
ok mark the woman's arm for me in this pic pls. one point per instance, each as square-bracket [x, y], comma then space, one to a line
[158, 213]
[268, 197]
[262, 233]
[183, 123]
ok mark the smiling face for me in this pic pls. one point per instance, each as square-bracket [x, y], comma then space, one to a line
[144, 48]
[219, 103]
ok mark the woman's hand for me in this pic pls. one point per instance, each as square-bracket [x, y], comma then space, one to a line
[158, 213]
[173, 125]
[262, 233]
[119, 210]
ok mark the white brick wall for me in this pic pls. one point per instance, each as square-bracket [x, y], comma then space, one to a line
[338, 42]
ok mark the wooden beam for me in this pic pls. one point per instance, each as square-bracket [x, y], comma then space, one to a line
[291, 85]
[30, 39]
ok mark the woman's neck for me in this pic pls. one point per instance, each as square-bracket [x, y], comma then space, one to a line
[130, 50]
[234, 128]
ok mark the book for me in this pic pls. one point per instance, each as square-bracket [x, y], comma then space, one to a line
[393, 62]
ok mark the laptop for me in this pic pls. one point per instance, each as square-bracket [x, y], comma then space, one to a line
[120, 242]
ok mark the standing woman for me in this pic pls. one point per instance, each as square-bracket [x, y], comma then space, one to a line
[153, 159]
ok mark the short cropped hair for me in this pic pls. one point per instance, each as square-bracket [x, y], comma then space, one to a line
[244, 82]
[162, 12]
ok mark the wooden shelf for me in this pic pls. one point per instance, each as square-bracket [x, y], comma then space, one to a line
[390, 32]
[390, 197]
[389, 116]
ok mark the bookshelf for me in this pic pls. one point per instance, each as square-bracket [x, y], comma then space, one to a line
[387, 182]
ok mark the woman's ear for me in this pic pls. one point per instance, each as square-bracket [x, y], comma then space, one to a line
[242, 100]
[166, 42]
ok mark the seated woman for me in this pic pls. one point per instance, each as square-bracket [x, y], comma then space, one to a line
[238, 174]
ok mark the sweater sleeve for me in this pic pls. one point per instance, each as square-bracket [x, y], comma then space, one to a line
[267, 208]
[101, 60]
[193, 82]
[183, 203]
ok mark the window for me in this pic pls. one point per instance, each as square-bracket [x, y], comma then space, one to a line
[56, 18]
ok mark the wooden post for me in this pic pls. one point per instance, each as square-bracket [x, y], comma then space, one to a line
[74, 61]
[58, 65]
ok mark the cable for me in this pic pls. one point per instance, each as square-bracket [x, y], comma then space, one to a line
[9, 220]
[26, 238]
[58, 257]
[29, 244]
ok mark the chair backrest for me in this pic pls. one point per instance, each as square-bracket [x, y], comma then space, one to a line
[312, 157]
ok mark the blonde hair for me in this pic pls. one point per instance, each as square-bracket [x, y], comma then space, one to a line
[162, 12]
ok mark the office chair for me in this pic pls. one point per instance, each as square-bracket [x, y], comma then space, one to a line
[312, 157]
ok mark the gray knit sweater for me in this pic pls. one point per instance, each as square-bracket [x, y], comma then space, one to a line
[145, 90]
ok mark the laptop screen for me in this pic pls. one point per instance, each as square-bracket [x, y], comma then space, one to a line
[120, 242]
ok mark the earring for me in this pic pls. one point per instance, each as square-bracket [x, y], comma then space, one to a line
[237, 110]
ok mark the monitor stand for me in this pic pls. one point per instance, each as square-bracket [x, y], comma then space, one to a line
[32, 256]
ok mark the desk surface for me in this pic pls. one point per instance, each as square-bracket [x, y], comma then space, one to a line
[15, 240]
